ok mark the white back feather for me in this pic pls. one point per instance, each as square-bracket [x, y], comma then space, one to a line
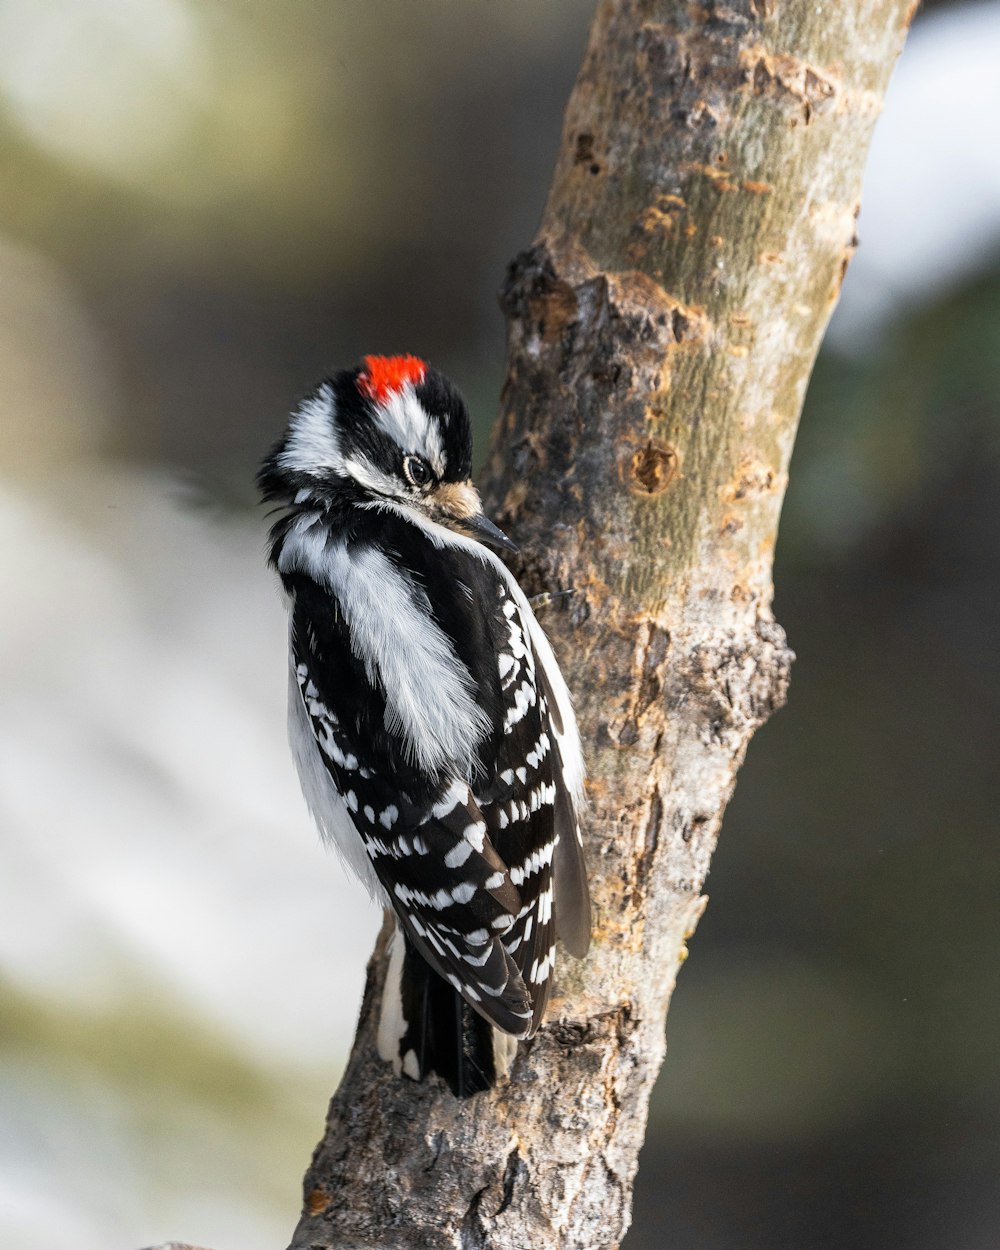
[570, 747]
[428, 690]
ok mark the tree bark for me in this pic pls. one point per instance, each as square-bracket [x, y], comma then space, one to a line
[662, 329]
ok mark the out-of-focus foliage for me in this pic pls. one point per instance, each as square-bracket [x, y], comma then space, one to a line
[205, 207]
[888, 434]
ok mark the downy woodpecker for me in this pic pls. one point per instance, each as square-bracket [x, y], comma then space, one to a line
[431, 728]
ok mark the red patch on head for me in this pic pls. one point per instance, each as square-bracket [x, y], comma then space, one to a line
[384, 376]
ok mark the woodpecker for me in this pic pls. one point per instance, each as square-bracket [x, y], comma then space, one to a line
[432, 731]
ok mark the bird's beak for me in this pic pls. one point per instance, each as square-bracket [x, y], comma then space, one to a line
[458, 505]
[483, 528]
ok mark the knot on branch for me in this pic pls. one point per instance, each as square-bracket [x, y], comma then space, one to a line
[652, 468]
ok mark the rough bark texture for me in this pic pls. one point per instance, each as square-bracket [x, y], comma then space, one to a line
[662, 330]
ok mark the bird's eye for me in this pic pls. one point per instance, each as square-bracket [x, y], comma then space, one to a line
[417, 471]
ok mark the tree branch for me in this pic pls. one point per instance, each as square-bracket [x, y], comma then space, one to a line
[661, 334]
[662, 330]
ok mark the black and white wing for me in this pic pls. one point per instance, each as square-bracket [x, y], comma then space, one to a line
[420, 844]
[530, 804]
[480, 860]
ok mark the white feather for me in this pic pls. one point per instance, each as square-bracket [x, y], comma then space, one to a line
[428, 690]
[392, 1024]
[372, 478]
[312, 445]
[570, 748]
[405, 420]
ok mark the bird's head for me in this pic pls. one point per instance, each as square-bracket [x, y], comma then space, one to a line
[391, 433]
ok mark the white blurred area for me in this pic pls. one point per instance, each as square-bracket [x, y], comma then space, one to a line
[158, 859]
[145, 775]
[114, 85]
[165, 908]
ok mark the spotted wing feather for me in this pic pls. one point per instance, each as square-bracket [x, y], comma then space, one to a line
[520, 807]
[483, 912]
[437, 867]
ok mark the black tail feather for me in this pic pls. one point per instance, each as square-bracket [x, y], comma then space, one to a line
[442, 1030]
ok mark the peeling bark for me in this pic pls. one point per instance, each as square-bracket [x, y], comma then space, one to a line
[662, 329]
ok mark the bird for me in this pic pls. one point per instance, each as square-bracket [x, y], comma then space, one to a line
[433, 733]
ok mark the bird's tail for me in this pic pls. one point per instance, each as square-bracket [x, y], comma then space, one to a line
[426, 1026]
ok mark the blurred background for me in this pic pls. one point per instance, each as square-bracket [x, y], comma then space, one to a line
[206, 206]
